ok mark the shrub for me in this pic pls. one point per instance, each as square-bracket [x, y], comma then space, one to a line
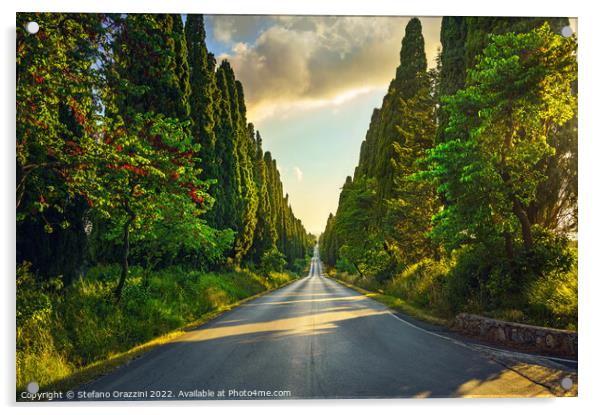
[422, 284]
[37, 355]
[272, 260]
[552, 299]
[299, 266]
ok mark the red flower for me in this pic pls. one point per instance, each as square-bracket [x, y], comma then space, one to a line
[42, 200]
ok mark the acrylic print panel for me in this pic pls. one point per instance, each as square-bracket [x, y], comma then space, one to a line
[283, 207]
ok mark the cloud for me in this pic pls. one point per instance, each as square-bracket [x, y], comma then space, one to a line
[308, 61]
[234, 28]
[298, 173]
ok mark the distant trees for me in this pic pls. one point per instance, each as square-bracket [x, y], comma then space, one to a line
[400, 132]
[132, 147]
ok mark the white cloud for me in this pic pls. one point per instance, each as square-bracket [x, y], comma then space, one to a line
[298, 173]
[301, 62]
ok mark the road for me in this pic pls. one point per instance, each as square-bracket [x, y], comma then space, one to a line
[315, 339]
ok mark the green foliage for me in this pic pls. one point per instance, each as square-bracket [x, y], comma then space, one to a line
[150, 65]
[553, 299]
[272, 260]
[479, 222]
[454, 30]
[300, 266]
[58, 334]
[423, 284]
[520, 87]
[361, 244]
[412, 202]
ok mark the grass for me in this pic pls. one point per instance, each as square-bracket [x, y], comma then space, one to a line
[435, 291]
[69, 337]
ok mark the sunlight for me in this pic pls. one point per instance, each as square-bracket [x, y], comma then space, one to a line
[309, 324]
[505, 384]
[315, 300]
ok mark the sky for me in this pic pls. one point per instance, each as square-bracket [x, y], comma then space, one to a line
[311, 84]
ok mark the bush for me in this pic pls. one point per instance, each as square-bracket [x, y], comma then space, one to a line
[464, 287]
[37, 355]
[272, 260]
[422, 284]
[538, 287]
[300, 266]
[552, 299]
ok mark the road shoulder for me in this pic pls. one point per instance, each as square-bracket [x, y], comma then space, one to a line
[542, 370]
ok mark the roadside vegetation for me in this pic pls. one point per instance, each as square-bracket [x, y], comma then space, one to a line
[61, 331]
[465, 195]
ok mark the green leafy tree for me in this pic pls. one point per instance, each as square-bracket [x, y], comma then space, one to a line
[518, 92]
[57, 124]
[361, 243]
[149, 177]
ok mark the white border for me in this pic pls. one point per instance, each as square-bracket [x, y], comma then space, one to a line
[590, 276]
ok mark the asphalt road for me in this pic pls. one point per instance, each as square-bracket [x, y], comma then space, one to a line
[313, 339]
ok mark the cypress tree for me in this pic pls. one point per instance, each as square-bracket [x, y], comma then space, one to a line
[146, 58]
[411, 68]
[227, 214]
[203, 103]
[182, 65]
[246, 197]
[453, 65]
[265, 234]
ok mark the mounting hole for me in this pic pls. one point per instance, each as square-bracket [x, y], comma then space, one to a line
[566, 383]
[566, 31]
[32, 27]
[33, 387]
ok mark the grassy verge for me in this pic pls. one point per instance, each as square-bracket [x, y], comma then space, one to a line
[70, 337]
[465, 283]
[396, 303]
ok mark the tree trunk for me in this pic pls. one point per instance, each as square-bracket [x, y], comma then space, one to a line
[509, 246]
[525, 224]
[126, 254]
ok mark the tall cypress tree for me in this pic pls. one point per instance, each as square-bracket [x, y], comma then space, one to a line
[182, 65]
[405, 85]
[412, 202]
[146, 58]
[453, 65]
[246, 195]
[265, 233]
[227, 213]
[203, 102]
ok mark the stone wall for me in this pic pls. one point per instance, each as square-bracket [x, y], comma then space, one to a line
[523, 336]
